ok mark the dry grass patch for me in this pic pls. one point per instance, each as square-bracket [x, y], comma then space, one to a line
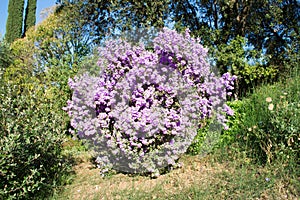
[88, 184]
[198, 178]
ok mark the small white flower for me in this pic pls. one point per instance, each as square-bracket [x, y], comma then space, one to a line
[268, 99]
[271, 106]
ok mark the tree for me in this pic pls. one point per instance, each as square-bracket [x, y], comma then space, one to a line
[270, 27]
[19, 22]
[267, 24]
[30, 15]
[14, 24]
[101, 18]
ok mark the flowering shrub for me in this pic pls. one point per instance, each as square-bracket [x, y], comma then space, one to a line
[143, 110]
[272, 124]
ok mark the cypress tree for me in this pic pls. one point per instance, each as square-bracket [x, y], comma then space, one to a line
[29, 15]
[14, 24]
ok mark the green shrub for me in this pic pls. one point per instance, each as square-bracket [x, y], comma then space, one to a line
[212, 135]
[31, 134]
[272, 124]
[197, 145]
[234, 123]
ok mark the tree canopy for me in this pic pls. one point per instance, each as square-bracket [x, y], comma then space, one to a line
[250, 40]
[262, 35]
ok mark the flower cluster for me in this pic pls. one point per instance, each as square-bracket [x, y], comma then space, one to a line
[143, 110]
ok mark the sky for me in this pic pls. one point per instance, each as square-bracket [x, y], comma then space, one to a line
[41, 5]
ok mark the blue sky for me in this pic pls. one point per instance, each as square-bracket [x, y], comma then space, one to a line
[41, 4]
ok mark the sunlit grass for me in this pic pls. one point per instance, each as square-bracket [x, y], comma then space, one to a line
[225, 174]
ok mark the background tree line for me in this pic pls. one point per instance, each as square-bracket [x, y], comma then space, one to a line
[251, 39]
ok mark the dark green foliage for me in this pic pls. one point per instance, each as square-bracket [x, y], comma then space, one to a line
[274, 27]
[99, 19]
[139, 14]
[30, 15]
[31, 135]
[268, 26]
[19, 22]
[14, 24]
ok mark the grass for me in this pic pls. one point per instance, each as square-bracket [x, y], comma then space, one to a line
[221, 175]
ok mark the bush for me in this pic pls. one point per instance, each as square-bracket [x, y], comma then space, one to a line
[31, 163]
[235, 124]
[196, 147]
[144, 109]
[208, 140]
[34, 88]
[272, 124]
